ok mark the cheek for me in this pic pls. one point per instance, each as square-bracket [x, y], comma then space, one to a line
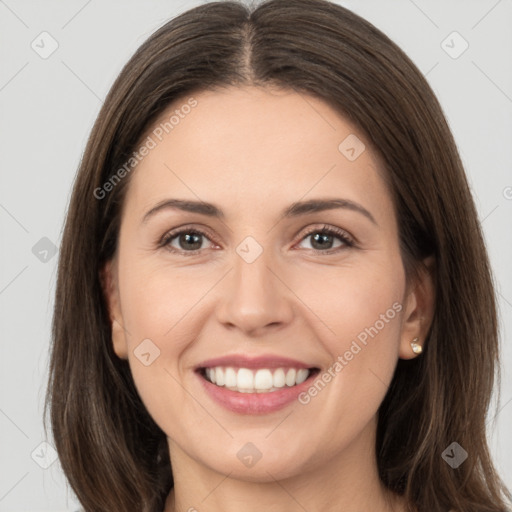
[161, 307]
[357, 299]
[364, 312]
[371, 310]
[157, 301]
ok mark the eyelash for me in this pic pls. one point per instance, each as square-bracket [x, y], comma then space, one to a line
[325, 230]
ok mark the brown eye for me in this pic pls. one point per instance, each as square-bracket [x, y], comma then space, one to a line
[322, 239]
[188, 241]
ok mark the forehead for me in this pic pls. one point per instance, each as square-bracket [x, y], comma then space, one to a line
[250, 145]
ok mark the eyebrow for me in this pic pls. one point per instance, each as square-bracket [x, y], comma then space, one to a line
[294, 210]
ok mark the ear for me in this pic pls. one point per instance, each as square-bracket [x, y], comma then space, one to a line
[109, 284]
[419, 309]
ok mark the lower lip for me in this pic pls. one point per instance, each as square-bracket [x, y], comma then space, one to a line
[255, 403]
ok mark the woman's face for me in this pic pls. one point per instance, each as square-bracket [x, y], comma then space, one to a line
[260, 282]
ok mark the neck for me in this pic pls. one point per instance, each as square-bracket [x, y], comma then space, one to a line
[346, 481]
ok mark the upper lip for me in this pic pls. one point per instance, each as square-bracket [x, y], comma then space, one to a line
[245, 361]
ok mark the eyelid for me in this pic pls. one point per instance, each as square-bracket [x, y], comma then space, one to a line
[328, 229]
[189, 228]
[347, 239]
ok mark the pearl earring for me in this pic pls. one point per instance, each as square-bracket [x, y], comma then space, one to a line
[416, 347]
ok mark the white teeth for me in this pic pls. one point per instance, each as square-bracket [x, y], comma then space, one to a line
[219, 377]
[290, 377]
[264, 380]
[302, 375]
[279, 378]
[244, 379]
[230, 378]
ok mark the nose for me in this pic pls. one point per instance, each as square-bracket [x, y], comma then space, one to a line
[254, 297]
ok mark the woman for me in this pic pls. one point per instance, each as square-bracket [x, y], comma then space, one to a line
[350, 373]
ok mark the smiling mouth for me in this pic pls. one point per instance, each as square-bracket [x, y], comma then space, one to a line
[262, 380]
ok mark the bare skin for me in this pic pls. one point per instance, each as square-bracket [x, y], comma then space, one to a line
[253, 152]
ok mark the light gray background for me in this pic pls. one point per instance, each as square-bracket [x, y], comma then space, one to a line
[47, 110]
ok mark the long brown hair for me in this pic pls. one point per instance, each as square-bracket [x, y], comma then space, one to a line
[112, 452]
